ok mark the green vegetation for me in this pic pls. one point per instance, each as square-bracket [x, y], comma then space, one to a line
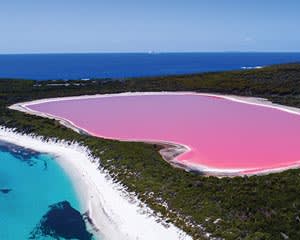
[257, 207]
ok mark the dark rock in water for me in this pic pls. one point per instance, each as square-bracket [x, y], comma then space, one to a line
[26, 155]
[61, 222]
[5, 190]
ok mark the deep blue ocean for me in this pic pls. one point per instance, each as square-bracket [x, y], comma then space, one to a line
[37, 198]
[126, 65]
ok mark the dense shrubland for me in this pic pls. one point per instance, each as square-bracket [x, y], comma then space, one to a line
[257, 207]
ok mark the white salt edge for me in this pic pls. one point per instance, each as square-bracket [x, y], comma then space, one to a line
[24, 107]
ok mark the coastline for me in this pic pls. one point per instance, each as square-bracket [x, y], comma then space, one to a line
[113, 211]
[171, 150]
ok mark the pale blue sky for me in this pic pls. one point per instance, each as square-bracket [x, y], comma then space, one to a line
[35, 26]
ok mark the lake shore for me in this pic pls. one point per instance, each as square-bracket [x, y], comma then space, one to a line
[115, 213]
[171, 150]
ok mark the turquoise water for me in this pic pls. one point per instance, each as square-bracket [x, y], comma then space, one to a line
[29, 183]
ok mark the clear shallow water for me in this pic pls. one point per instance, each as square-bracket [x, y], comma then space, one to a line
[221, 133]
[124, 65]
[30, 182]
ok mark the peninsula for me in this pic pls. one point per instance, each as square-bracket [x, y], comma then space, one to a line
[248, 207]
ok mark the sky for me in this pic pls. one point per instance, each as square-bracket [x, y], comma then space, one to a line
[63, 26]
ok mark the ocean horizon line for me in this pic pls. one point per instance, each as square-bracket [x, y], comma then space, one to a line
[151, 52]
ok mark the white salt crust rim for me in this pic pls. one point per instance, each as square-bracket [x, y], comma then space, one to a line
[25, 107]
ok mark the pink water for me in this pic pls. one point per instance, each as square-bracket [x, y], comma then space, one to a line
[221, 133]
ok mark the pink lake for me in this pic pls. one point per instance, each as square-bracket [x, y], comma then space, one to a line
[222, 134]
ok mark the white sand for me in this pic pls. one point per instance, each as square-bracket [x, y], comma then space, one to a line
[114, 212]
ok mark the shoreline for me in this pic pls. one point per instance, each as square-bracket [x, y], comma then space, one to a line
[116, 213]
[171, 150]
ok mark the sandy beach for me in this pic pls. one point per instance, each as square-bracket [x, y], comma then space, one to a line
[171, 150]
[116, 214]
